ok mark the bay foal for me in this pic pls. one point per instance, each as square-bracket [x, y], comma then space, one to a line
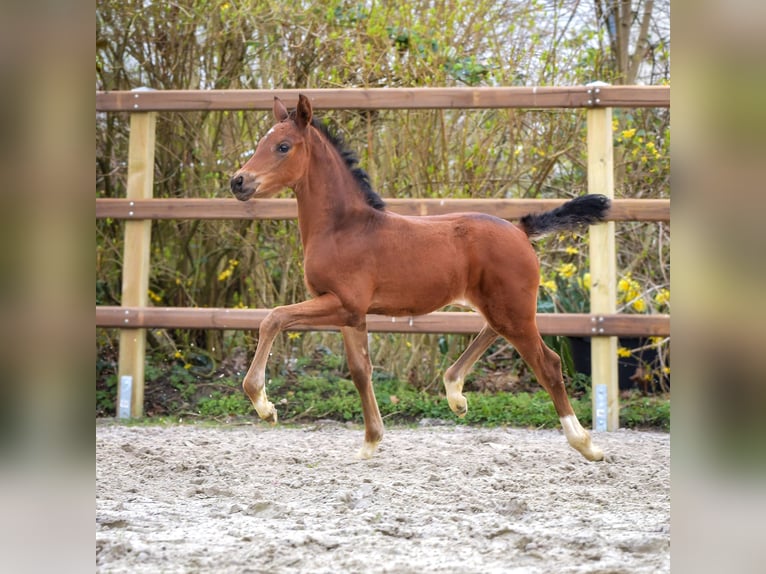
[360, 258]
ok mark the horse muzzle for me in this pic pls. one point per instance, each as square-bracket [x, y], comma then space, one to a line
[241, 190]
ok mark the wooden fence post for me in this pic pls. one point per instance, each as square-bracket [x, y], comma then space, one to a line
[603, 270]
[135, 267]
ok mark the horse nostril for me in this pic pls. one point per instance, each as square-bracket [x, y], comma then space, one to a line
[236, 183]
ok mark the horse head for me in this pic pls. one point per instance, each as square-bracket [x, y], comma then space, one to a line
[281, 157]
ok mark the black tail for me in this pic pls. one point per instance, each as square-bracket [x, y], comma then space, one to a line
[584, 210]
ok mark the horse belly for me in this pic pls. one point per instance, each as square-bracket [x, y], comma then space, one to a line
[417, 288]
[399, 305]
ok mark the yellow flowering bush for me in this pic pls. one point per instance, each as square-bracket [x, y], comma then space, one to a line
[662, 298]
[226, 273]
[632, 297]
[647, 362]
[549, 285]
[566, 270]
[567, 290]
[155, 297]
[642, 151]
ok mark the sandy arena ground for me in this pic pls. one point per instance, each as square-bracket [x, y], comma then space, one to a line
[443, 499]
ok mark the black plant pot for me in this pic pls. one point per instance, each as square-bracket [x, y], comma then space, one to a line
[629, 369]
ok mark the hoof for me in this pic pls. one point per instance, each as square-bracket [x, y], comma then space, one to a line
[458, 405]
[593, 453]
[367, 450]
[271, 417]
[269, 414]
[457, 402]
[579, 439]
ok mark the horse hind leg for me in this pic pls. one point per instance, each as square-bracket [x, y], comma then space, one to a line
[454, 376]
[546, 365]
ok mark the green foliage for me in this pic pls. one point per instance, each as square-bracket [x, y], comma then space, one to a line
[579, 384]
[106, 381]
[106, 395]
[638, 411]
[322, 391]
[219, 404]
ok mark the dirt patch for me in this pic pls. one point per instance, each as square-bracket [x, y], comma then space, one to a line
[434, 499]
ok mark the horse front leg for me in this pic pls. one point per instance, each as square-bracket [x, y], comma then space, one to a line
[358, 356]
[324, 310]
[254, 383]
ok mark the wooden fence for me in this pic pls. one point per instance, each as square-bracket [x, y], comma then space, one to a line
[603, 324]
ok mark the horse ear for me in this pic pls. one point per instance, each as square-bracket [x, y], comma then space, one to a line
[280, 111]
[303, 112]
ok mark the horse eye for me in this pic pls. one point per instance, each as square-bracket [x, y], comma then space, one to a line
[284, 147]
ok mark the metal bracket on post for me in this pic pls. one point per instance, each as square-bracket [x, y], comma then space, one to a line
[594, 93]
[598, 325]
[137, 96]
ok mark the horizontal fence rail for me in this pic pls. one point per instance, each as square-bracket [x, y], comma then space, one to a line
[572, 324]
[621, 210]
[389, 98]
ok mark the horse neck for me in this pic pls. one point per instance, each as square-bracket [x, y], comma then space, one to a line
[328, 195]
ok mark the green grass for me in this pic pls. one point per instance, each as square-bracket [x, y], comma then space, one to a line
[645, 412]
[326, 395]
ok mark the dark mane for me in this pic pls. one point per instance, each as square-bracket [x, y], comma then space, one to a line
[352, 162]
